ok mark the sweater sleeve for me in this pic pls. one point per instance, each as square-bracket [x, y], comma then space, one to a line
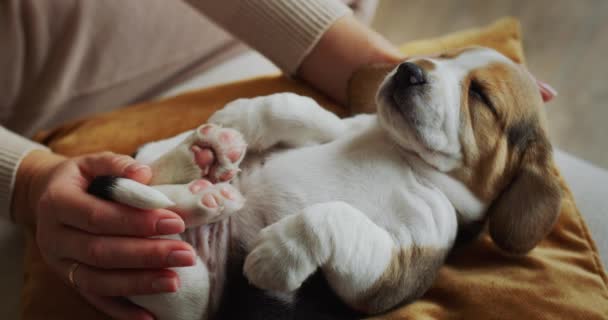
[285, 31]
[13, 149]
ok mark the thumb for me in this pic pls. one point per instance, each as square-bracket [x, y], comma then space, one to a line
[112, 164]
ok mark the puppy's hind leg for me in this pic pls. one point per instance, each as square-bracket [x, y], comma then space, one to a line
[280, 119]
[364, 264]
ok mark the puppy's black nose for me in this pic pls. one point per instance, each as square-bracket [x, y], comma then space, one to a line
[409, 74]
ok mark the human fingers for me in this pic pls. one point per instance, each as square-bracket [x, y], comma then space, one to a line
[119, 252]
[119, 282]
[83, 211]
[109, 163]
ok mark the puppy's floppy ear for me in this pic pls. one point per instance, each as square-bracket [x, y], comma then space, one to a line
[527, 209]
[363, 86]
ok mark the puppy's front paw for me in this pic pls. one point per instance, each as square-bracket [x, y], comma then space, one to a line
[228, 148]
[279, 261]
[247, 116]
[210, 152]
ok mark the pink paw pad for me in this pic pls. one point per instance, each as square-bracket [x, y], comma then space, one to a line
[199, 185]
[226, 137]
[218, 152]
[212, 203]
[226, 193]
[209, 201]
[203, 157]
[227, 175]
[205, 129]
[235, 154]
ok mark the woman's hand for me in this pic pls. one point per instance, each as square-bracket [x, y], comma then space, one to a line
[108, 240]
[345, 47]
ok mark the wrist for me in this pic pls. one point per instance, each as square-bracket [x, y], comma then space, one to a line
[345, 47]
[31, 178]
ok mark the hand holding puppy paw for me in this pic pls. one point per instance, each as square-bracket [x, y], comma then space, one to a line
[97, 246]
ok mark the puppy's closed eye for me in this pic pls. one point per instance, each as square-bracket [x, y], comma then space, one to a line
[477, 92]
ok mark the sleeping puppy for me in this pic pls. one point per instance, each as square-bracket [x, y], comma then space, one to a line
[370, 204]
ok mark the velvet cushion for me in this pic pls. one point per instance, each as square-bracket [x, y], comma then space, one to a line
[561, 279]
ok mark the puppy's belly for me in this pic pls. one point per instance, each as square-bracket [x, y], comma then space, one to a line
[211, 243]
[375, 180]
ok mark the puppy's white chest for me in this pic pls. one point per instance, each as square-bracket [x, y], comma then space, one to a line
[363, 170]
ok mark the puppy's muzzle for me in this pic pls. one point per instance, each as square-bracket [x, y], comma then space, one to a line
[409, 80]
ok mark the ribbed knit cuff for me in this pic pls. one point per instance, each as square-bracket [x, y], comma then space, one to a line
[285, 31]
[13, 148]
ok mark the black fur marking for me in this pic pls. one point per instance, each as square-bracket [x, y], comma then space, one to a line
[102, 187]
[468, 233]
[522, 133]
[317, 300]
[241, 300]
[314, 300]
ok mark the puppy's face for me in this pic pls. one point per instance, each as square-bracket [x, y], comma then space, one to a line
[475, 115]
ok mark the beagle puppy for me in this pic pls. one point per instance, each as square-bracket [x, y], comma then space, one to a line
[368, 206]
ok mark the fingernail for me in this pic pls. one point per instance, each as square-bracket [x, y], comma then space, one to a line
[170, 226]
[181, 258]
[165, 284]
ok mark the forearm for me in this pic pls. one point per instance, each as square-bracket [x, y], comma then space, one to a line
[345, 47]
[13, 149]
[31, 176]
[318, 40]
[285, 31]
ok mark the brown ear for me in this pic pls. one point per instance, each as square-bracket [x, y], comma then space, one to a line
[526, 211]
[363, 86]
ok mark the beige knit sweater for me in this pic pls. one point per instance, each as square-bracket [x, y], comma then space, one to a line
[283, 30]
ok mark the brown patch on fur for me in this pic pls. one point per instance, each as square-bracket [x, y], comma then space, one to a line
[451, 54]
[426, 65]
[489, 156]
[409, 275]
[363, 85]
[507, 157]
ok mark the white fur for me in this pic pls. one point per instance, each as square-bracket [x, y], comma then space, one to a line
[139, 195]
[149, 152]
[283, 115]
